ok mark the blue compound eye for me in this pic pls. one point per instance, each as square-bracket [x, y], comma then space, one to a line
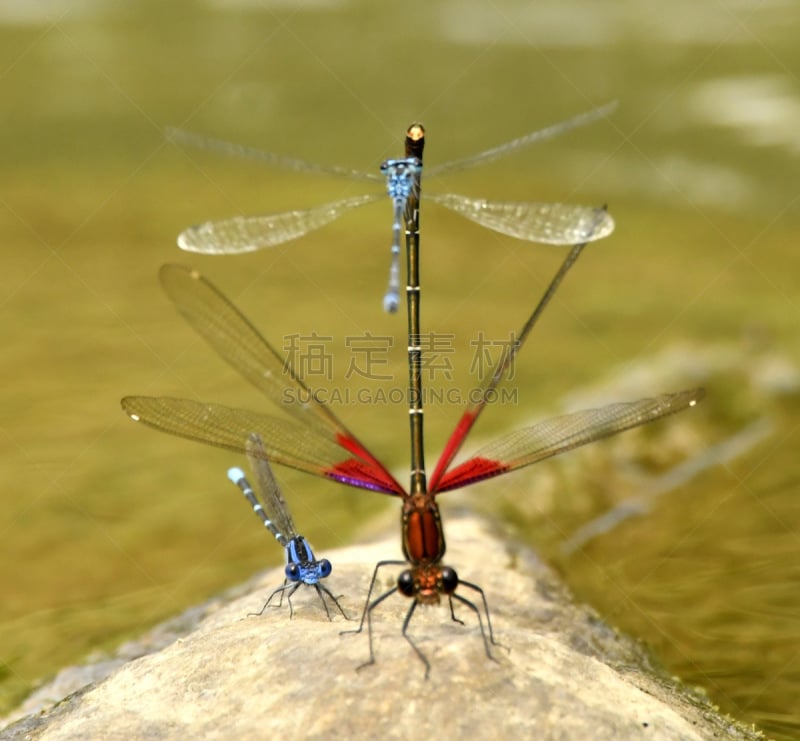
[292, 572]
[325, 568]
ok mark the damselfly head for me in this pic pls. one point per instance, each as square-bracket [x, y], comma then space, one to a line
[427, 583]
[415, 132]
[415, 140]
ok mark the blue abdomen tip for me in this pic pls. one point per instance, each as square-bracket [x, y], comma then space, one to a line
[235, 474]
[390, 303]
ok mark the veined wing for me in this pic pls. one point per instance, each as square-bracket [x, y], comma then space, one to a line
[272, 501]
[199, 141]
[470, 416]
[241, 345]
[284, 442]
[250, 233]
[548, 223]
[299, 165]
[540, 222]
[555, 436]
[503, 150]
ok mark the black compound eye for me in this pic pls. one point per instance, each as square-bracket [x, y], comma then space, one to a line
[449, 580]
[405, 583]
[292, 572]
[325, 567]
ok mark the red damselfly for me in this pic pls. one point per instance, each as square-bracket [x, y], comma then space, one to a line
[314, 440]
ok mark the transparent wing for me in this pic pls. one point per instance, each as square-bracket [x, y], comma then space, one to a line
[535, 136]
[283, 442]
[241, 345]
[199, 141]
[548, 223]
[554, 436]
[272, 499]
[471, 414]
[250, 233]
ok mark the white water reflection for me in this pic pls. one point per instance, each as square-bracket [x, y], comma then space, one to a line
[672, 178]
[588, 23]
[45, 12]
[272, 5]
[764, 111]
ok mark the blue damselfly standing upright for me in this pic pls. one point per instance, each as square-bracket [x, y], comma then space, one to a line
[548, 223]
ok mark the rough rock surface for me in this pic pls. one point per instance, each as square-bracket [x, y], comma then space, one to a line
[560, 673]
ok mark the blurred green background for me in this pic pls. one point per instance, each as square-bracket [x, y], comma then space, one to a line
[106, 528]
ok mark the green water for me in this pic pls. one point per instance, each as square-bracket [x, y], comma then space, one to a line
[106, 528]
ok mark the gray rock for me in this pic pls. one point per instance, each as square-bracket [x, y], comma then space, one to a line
[561, 673]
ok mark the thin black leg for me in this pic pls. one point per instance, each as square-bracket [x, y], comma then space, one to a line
[413, 645]
[474, 607]
[369, 626]
[369, 593]
[322, 588]
[452, 611]
[480, 591]
[292, 586]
